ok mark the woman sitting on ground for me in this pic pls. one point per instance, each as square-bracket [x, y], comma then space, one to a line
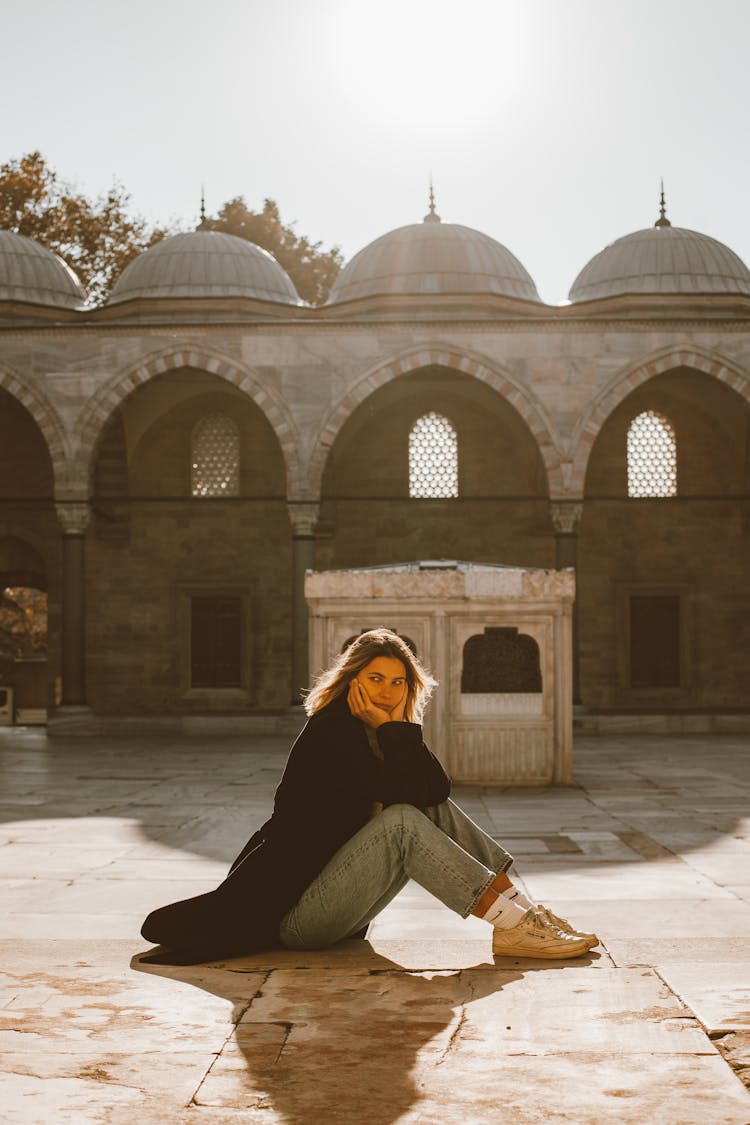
[362, 807]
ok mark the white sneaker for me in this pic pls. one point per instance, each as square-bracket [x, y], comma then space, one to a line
[534, 937]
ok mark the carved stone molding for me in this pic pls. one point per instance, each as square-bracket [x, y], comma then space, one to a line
[566, 516]
[74, 517]
[303, 515]
[550, 584]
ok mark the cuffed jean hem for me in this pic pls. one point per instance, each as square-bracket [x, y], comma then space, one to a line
[486, 887]
[488, 884]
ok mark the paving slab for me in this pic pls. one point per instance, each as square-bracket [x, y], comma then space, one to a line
[658, 951]
[667, 918]
[630, 1089]
[136, 897]
[637, 881]
[722, 868]
[418, 1023]
[718, 994]
[734, 1046]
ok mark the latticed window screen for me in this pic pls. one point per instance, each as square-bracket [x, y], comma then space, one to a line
[433, 458]
[652, 456]
[215, 457]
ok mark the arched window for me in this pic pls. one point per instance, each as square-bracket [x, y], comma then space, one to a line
[215, 457]
[433, 458]
[652, 456]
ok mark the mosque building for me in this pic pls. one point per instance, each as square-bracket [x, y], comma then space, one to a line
[173, 461]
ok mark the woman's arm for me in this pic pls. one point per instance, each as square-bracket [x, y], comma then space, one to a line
[411, 773]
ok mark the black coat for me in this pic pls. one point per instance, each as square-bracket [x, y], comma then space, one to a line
[326, 793]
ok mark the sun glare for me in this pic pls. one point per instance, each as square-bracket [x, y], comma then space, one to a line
[433, 65]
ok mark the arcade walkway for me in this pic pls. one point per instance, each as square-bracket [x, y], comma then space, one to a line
[416, 1026]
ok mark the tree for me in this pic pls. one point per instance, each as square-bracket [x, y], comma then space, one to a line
[311, 268]
[96, 237]
[23, 622]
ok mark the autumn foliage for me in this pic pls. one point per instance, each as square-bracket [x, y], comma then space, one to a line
[23, 622]
[97, 237]
[311, 268]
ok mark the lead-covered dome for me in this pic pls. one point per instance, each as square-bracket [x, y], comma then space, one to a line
[31, 273]
[433, 257]
[204, 263]
[662, 259]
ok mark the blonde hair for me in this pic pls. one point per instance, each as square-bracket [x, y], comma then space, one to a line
[334, 681]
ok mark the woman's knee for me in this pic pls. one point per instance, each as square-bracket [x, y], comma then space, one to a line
[402, 814]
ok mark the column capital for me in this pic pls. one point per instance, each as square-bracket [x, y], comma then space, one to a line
[303, 516]
[74, 516]
[566, 516]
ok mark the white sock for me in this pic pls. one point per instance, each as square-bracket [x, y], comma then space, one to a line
[519, 898]
[504, 914]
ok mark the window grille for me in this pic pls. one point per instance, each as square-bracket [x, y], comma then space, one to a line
[433, 458]
[215, 457]
[652, 456]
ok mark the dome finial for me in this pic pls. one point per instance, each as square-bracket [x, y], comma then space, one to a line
[432, 215]
[662, 221]
[203, 224]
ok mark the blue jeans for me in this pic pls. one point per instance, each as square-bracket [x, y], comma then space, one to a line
[440, 847]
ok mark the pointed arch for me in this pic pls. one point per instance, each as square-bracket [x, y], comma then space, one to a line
[48, 421]
[39, 544]
[617, 390]
[506, 386]
[111, 395]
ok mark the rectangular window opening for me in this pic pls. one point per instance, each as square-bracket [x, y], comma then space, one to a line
[215, 641]
[655, 640]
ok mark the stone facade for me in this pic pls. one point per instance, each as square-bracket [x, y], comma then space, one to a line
[97, 407]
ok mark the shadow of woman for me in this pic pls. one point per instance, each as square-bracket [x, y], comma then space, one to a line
[362, 1040]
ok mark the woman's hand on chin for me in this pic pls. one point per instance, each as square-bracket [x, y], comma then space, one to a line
[362, 707]
[397, 714]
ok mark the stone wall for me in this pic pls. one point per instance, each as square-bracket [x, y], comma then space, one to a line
[697, 544]
[137, 635]
[30, 542]
[501, 514]
[527, 399]
[173, 545]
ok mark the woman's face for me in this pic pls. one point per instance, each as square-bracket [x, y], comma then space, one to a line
[384, 681]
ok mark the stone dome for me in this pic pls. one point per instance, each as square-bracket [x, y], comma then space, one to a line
[433, 257]
[32, 273]
[204, 263]
[662, 259]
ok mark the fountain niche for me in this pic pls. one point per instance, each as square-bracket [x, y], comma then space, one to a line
[498, 639]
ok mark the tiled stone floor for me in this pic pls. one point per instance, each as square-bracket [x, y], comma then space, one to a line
[415, 1026]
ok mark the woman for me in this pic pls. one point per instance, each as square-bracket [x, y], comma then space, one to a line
[362, 807]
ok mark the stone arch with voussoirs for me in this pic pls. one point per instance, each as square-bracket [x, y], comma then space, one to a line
[508, 388]
[46, 418]
[611, 396]
[113, 394]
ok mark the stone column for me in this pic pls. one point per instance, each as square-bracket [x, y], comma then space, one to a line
[74, 520]
[566, 517]
[303, 515]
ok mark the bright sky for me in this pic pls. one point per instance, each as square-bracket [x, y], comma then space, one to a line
[545, 123]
